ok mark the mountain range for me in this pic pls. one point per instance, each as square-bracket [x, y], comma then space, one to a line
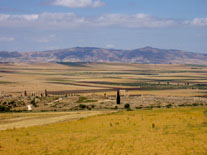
[146, 55]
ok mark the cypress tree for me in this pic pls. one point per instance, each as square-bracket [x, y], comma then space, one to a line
[46, 92]
[118, 97]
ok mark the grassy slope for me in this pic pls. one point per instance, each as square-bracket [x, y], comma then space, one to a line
[158, 131]
[19, 120]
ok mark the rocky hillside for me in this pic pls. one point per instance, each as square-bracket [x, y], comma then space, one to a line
[147, 55]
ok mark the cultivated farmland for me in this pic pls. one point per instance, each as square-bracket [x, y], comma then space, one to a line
[71, 108]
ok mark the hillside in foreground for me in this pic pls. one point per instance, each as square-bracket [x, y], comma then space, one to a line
[157, 131]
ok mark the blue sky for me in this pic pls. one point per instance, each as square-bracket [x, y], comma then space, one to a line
[27, 25]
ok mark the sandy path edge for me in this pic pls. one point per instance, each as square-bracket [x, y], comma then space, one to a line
[60, 117]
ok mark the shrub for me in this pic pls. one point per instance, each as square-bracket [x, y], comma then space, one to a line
[90, 101]
[92, 106]
[89, 108]
[82, 106]
[4, 103]
[33, 103]
[195, 104]
[127, 106]
[168, 105]
[81, 99]
[20, 103]
[4, 108]
[11, 102]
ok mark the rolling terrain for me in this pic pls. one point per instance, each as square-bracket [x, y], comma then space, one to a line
[93, 86]
[146, 55]
[162, 110]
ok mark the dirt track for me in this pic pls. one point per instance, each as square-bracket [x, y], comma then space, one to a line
[19, 120]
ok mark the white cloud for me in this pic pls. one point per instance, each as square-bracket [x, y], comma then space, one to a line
[133, 21]
[17, 20]
[43, 20]
[6, 39]
[19, 17]
[196, 22]
[79, 3]
[71, 20]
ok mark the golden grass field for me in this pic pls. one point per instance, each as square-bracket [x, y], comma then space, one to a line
[159, 131]
[19, 120]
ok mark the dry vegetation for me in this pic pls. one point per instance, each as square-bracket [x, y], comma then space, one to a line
[157, 120]
[10, 121]
[157, 83]
[158, 131]
[15, 78]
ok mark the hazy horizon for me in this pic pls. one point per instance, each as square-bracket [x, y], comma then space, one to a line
[120, 24]
[104, 48]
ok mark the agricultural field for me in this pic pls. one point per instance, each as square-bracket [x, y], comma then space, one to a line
[93, 86]
[15, 78]
[71, 108]
[156, 131]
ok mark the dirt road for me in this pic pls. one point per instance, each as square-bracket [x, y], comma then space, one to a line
[19, 120]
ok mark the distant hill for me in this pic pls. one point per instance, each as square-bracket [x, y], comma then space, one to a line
[146, 55]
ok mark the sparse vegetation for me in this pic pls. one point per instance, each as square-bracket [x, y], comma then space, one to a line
[81, 99]
[168, 105]
[82, 106]
[4, 108]
[127, 106]
[136, 132]
[33, 103]
[154, 128]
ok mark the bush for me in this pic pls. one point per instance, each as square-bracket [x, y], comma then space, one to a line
[81, 99]
[168, 105]
[90, 101]
[127, 106]
[4, 108]
[82, 106]
[195, 104]
[4, 103]
[33, 103]
[89, 108]
[11, 102]
[139, 107]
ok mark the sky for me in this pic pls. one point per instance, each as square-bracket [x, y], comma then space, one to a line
[38, 25]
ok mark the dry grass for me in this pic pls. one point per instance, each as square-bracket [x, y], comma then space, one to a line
[35, 78]
[180, 92]
[19, 120]
[158, 131]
